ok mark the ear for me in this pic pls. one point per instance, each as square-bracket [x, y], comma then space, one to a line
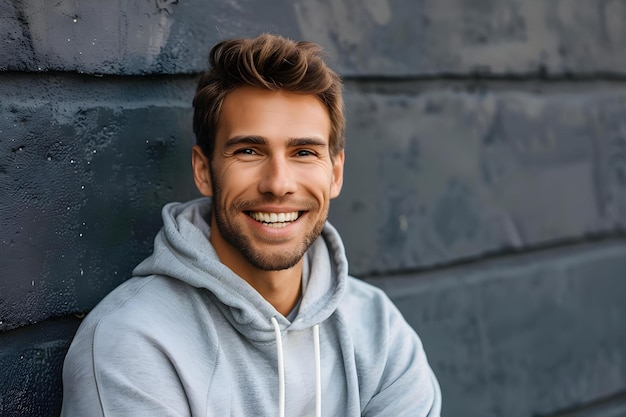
[201, 171]
[337, 179]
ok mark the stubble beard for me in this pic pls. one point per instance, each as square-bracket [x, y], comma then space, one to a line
[274, 261]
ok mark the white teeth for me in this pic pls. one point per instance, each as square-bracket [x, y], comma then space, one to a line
[274, 219]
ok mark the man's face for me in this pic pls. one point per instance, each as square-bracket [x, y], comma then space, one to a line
[271, 177]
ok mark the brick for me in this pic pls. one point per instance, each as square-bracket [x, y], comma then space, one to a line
[31, 361]
[444, 176]
[374, 38]
[521, 336]
[84, 172]
[128, 37]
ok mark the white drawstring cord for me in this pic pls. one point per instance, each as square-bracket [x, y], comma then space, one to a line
[318, 371]
[281, 369]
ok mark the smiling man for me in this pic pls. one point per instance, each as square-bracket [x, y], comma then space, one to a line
[246, 307]
[271, 175]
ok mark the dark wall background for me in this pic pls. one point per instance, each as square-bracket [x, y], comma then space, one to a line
[485, 186]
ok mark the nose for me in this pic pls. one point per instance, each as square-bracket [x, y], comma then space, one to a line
[277, 178]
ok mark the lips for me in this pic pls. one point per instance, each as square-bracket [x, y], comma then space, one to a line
[274, 219]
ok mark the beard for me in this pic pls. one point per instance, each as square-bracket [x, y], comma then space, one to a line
[261, 259]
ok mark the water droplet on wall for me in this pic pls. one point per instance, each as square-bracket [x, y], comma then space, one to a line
[403, 223]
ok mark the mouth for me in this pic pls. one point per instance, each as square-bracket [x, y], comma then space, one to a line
[276, 220]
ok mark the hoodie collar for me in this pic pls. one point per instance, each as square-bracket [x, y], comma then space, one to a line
[182, 251]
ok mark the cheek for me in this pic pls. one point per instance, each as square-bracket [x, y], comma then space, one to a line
[318, 183]
[233, 183]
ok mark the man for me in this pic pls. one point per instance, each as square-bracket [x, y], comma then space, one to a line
[246, 308]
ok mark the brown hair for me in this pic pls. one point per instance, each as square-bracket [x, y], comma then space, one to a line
[270, 62]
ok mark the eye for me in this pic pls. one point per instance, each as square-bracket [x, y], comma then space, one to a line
[304, 152]
[245, 151]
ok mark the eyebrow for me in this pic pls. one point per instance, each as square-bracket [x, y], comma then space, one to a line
[260, 140]
[244, 140]
[306, 142]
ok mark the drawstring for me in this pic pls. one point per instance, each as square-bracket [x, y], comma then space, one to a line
[318, 371]
[281, 370]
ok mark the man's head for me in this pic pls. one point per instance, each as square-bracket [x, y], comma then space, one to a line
[268, 62]
[269, 123]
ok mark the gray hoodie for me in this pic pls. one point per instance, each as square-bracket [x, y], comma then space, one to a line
[187, 337]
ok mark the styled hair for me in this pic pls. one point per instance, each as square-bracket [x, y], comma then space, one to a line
[270, 62]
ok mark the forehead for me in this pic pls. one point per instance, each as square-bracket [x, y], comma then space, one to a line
[272, 114]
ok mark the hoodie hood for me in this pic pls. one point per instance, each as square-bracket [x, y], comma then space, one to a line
[182, 251]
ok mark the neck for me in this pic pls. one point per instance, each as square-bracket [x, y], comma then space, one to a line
[281, 289]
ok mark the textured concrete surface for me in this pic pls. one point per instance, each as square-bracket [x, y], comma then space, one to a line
[85, 166]
[31, 360]
[454, 175]
[363, 37]
[529, 335]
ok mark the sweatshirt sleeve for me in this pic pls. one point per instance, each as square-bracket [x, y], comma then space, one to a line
[114, 371]
[396, 377]
[143, 351]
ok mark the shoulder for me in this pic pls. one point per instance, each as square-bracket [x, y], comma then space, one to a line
[364, 302]
[141, 333]
[376, 326]
[394, 375]
[151, 313]
[371, 319]
[147, 298]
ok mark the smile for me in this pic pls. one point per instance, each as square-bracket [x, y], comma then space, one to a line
[276, 220]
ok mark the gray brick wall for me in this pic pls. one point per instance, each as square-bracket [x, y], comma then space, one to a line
[484, 191]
